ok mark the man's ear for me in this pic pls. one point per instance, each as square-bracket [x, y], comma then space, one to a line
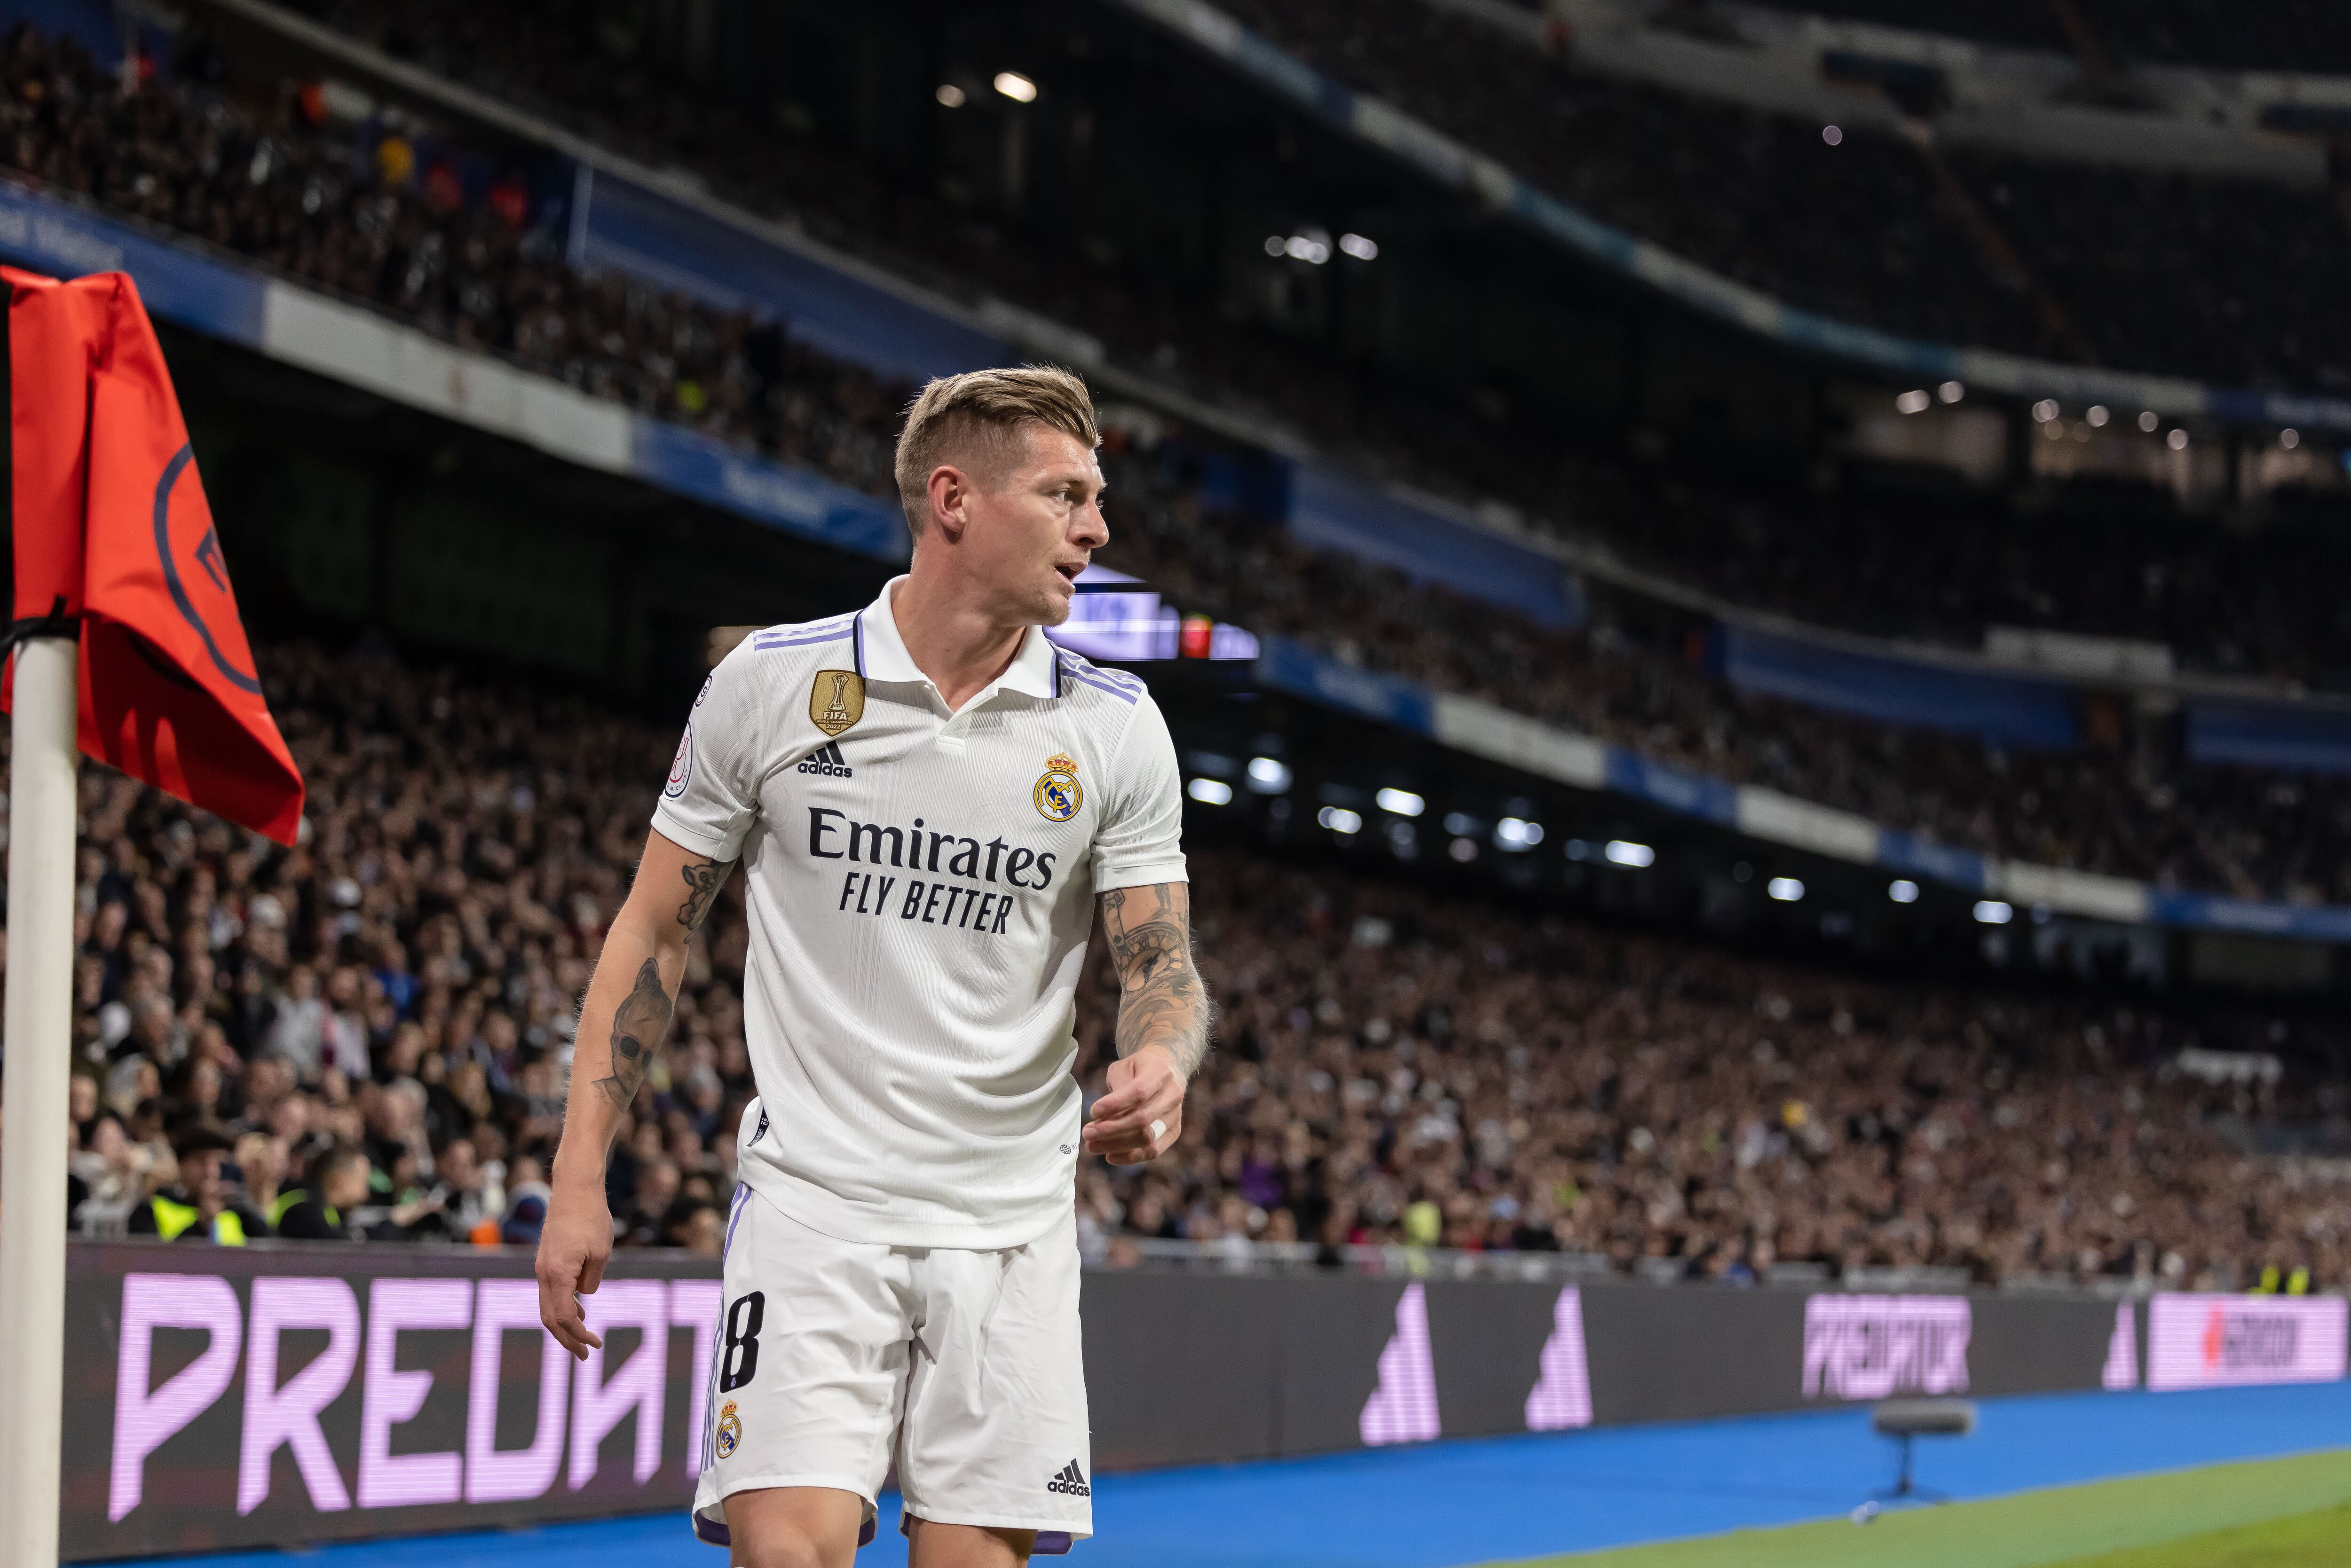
[950, 493]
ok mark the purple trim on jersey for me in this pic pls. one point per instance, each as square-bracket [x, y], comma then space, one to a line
[1053, 1544]
[857, 629]
[711, 1534]
[799, 637]
[719, 1339]
[1101, 681]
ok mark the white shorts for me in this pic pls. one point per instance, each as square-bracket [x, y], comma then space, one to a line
[833, 1358]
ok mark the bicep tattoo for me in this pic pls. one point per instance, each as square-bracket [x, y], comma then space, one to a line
[703, 881]
[1163, 1001]
[640, 1026]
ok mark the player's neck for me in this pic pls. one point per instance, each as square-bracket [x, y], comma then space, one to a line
[952, 640]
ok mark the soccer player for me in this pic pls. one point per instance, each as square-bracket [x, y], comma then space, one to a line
[928, 799]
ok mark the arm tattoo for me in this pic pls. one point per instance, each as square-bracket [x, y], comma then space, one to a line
[703, 881]
[1163, 1001]
[640, 1027]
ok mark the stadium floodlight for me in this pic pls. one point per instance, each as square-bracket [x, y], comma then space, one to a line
[1902, 890]
[2045, 410]
[1340, 820]
[1307, 248]
[1624, 851]
[1277, 245]
[2148, 419]
[1359, 247]
[1210, 791]
[1402, 802]
[1784, 889]
[1951, 391]
[1992, 911]
[2098, 416]
[1016, 87]
[1832, 134]
[1914, 401]
[950, 95]
[2177, 440]
[1463, 850]
[1518, 833]
[1460, 823]
[2289, 439]
[1269, 776]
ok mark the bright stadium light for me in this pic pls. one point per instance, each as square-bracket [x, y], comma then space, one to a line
[950, 95]
[1992, 911]
[2177, 440]
[1277, 245]
[1784, 889]
[2289, 439]
[1359, 247]
[2045, 410]
[1307, 248]
[1402, 802]
[1518, 833]
[1914, 401]
[1832, 134]
[1902, 890]
[2098, 415]
[1210, 791]
[1624, 852]
[2148, 419]
[1016, 87]
[1340, 820]
[1269, 776]
[1951, 391]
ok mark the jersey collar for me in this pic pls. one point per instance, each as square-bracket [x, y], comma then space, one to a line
[882, 654]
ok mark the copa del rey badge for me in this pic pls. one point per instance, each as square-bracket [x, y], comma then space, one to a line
[1059, 794]
[837, 700]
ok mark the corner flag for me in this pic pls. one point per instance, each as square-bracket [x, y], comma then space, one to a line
[112, 526]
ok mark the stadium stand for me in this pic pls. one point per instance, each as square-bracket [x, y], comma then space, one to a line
[2300, 36]
[426, 228]
[1396, 1068]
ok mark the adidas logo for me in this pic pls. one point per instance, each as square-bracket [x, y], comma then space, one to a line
[1071, 1481]
[827, 760]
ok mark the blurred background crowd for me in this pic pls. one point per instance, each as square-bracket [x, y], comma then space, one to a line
[368, 1036]
[450, 243]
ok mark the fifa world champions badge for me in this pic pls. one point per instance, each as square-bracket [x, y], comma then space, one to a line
[1059, 794]
[730, 1430]
[836, 700]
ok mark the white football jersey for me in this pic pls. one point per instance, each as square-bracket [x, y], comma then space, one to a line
[921, 887]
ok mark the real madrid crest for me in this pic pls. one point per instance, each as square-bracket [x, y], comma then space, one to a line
[1059, 794]
[837, 700]
[730, 1429]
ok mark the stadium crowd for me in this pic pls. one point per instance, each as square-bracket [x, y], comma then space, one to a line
[395, 216]
[366, 1037]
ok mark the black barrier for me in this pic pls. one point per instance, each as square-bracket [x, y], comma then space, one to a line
[224, 1397]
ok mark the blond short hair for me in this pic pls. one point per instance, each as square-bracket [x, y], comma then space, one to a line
[979, 416]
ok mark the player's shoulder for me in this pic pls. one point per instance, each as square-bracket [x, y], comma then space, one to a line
[1079, 677]
[801, 635]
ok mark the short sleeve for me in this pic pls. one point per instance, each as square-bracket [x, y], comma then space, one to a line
[711, 796]
[1140, 842]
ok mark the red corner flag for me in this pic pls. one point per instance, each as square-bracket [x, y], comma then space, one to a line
[111, 525]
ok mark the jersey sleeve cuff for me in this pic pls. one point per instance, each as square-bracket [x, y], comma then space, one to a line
[1150, 873]
[687, 836]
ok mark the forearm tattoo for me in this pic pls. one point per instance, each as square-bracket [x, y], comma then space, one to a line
[640, 1026]
[1161, 1000]
[703, 881]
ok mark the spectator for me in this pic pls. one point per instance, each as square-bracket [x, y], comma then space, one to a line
[204, 1204]
[325, 1209]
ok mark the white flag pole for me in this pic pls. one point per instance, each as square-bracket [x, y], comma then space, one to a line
[35, 1102]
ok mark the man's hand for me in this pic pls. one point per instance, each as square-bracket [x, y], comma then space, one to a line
[573, 1247]
[1142, 1115]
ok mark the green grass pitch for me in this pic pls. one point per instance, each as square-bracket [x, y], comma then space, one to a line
[2275, 1513]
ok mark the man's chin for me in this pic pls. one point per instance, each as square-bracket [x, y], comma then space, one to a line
[1056, 606]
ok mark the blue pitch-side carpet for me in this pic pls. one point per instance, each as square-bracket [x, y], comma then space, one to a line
[1473, 1502]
